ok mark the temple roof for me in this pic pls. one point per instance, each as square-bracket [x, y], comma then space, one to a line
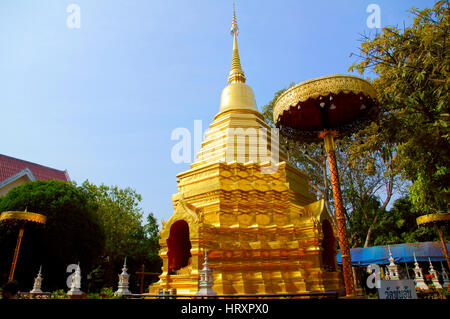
[10, 167]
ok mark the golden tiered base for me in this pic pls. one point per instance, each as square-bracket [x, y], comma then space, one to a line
[263, 232]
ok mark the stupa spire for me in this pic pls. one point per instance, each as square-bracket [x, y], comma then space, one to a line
[236, 73]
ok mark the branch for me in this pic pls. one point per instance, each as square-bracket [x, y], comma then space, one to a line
[390, 187]
[313, 160]
[317, 189]
[382, 208]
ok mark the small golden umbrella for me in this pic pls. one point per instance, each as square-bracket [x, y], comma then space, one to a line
[439, 220]
[21, 219]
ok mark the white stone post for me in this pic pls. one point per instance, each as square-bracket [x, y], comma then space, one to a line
[123, 281]
[37, 283]
[434, 276]
[446, 282]
[392, 267]
[420, 282]
[206, 280]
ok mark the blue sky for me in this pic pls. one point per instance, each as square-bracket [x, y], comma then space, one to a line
[102, 100]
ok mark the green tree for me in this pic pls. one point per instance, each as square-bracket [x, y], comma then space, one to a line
[412, 67]
[361, 219]
[368, 182]
[152, 237]
[121, 218]
[120, 215]
[398, 225]
[72, 233]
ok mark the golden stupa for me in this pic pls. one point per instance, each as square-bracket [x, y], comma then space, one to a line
[264, 231]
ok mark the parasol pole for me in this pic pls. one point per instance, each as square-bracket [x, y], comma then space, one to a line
[444, 247]
[22, 218]
[439, 220]
[16, 252]
[340, 212]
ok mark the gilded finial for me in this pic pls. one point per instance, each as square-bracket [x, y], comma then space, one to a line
[236, 73]
[234, 26]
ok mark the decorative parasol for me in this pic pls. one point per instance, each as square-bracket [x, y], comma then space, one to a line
[340, 103]
[439, 220]
[323, 109]
[20, 219]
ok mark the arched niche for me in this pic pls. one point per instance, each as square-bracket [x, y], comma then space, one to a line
[179, 246]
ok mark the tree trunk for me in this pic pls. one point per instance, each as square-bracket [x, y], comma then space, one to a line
[383, 207]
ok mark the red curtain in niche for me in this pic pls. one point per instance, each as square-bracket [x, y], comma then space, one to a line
[179, 246]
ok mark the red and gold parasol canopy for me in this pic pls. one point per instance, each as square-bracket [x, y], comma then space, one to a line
[340, 103]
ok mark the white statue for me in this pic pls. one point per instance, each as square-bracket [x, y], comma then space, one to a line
[37, 283]
[123, 281]
[420, 282]
[434, 276]
[206, 280]
[76, 283]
